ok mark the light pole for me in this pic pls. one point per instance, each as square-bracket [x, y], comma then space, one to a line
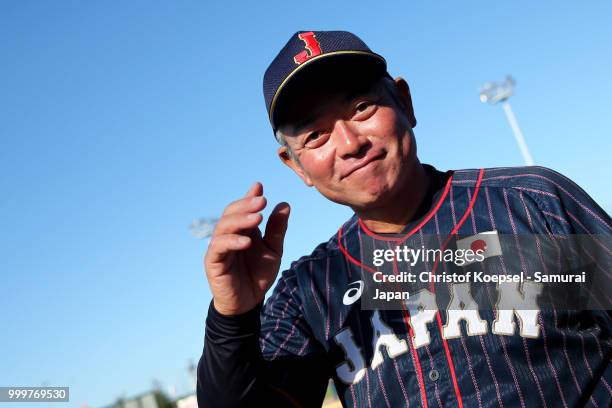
[494, 93]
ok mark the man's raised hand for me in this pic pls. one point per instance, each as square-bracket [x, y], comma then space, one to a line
[240, 263]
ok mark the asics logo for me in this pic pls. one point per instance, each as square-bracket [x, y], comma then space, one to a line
[353, 294]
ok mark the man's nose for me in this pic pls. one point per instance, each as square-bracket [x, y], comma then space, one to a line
[349, 142]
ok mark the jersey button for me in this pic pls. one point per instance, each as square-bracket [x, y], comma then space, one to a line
[434, 375]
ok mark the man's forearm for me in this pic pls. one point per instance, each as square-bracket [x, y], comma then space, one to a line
[231, 361]
[233, 373]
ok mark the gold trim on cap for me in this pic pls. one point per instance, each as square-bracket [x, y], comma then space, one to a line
[292, 73]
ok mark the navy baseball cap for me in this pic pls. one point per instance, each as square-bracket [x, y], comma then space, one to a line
[311, 55]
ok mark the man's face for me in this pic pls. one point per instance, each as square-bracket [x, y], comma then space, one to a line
[356, 147]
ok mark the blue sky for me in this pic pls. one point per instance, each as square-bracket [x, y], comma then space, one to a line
[123, 121]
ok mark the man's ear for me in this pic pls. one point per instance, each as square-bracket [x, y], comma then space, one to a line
[292, 163]
[404, 91]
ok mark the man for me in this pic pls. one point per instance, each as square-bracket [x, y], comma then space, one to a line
[346, 128]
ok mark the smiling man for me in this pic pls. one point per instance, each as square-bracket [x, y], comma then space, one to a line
[371, 162]
[345, 127]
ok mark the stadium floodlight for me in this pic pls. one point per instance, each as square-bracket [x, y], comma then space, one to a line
[202, 228]
[494, 93]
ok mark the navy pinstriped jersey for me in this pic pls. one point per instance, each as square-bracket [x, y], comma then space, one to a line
[388, 358]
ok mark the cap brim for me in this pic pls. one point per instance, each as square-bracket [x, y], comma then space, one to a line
[324, 66]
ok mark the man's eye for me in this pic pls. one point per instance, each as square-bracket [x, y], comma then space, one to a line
[312, 137]
[364, 109]
[315, 139]
[363, 106]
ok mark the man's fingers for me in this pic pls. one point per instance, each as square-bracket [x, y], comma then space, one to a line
[277, 227]
[255, 190]
[221, 245]
[246, 204]
[235, 223]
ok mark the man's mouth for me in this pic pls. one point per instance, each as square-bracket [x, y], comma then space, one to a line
[362, 163]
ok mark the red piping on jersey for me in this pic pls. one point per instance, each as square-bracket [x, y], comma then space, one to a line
[405, 312]
[415, 357]
[349, 257]
[413, 351]
[418, 227]
[451, 366]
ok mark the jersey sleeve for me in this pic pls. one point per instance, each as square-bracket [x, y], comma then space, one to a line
[570, 211]
[285, 331]
[568, 208]
[265, 356]
[286, 339]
